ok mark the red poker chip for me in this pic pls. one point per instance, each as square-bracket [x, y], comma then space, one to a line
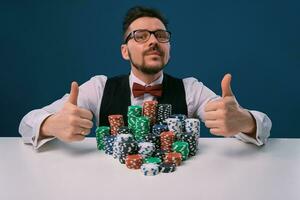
[134, 161]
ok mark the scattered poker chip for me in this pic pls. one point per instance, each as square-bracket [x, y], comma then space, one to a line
[155, 160]
[154, 141]
[173, 157]
[150, 169]
[134, 161]
[167, 167]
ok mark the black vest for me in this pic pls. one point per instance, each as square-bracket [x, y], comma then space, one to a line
[116, 97]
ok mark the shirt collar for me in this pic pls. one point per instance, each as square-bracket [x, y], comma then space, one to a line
[134, 79]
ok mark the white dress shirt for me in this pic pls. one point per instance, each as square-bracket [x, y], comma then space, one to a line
[90, 97]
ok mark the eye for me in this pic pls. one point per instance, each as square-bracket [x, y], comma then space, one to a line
[161, 34]
[141, 35]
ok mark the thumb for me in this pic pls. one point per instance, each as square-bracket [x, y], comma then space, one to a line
[73, 93]
[225, 84]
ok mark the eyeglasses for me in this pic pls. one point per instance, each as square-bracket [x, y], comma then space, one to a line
[143, 35]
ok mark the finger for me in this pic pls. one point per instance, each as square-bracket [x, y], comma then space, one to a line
[225, 85]
[84, 113]
[74, 93]
[211, 115]
[85, 131]
[77, 137]
[85, 123]
[213, 105]
[212, 124]
[216, 131]
[81, 131]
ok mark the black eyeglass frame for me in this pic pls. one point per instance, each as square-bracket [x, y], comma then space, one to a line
[131, 35]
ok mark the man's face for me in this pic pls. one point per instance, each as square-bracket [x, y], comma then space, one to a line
[151, 56]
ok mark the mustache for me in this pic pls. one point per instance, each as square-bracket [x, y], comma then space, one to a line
[154, 48]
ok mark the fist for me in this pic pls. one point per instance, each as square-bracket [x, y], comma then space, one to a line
[224, 117]
[71, 123]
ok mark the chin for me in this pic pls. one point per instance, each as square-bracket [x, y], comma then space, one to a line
[152, 69]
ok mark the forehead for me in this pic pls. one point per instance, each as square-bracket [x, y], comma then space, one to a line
[149, 23]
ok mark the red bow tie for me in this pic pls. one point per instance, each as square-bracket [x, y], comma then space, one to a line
[139, 90]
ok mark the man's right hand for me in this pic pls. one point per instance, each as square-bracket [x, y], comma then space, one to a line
[71, 123]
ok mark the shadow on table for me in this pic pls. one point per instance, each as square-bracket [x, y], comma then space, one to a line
[275, 148]
[75, 148]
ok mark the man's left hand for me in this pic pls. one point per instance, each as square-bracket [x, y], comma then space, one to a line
[225, 117]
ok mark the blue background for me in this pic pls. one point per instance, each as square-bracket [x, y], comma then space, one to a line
[44, 45]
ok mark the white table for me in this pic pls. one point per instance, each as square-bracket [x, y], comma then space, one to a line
[224, 168]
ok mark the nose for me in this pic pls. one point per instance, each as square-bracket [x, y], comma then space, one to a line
[152, 40]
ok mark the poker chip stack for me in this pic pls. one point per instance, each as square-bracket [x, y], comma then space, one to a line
[126, 148]
[174, 124]
[146, 149]
[173, 157]
[124, 130]
[172, 139]
[120, 138]
[101, 131]
[192, 140]
[132, 114]
[159, 153]
[182, 119]
[134, 161]
[181, 147]
[166, 140]
[142, 128]
[150, 169]
[108, 144]
[149, 110]
[155, 139]
[163, 112]
[115, 122]
[193, 125]
[157, 129]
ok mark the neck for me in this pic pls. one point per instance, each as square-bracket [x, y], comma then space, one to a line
[146, 78]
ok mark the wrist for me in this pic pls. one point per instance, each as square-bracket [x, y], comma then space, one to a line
[250, 127]
[44, 129]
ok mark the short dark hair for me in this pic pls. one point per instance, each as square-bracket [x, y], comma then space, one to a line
[141, 11]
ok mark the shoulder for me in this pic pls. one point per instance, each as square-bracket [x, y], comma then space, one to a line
[191, 82]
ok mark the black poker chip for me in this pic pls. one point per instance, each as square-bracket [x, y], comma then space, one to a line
[167, 167]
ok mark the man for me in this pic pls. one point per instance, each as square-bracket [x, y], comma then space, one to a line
[147, 47]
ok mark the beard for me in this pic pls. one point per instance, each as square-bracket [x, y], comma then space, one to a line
[150, 70]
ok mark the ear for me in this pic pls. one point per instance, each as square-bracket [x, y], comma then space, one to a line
[124, 52]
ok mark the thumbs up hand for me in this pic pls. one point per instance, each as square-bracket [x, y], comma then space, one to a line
[71, 123]
[224, 116]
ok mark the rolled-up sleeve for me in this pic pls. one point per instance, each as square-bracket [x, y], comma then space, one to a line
[198, 95]
[90, 95]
